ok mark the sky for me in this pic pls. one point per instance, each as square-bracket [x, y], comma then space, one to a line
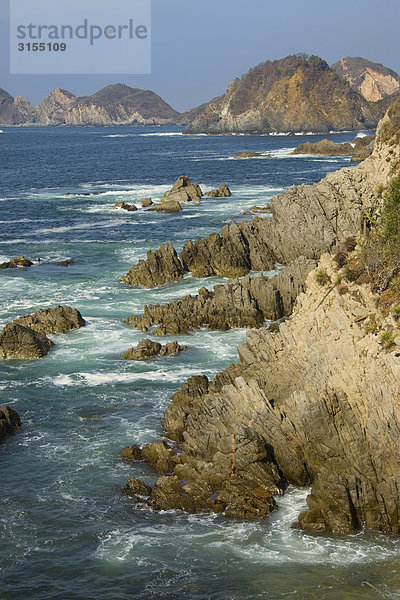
[198, 47]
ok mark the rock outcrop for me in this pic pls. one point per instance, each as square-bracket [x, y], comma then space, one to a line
[15, 111]
[9, 422]
[325, 147]
[168, 206]
[17, 341]
[295, 94]
[160, 267]
[372, 80]
[25, 338]
[308, 220]
[238, 303]
[14, 263]
[183, 191]
[148, 349]
[315, 405]
[222, 192]
[360, 148]
[53, 320]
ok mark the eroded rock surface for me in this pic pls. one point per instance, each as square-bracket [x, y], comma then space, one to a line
[238, 303]
[315, 405]
[160, 267]
[17, 341]
[183, 191]
[60, 319]
[222, 192]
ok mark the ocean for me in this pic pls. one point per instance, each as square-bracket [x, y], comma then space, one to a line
[66, 530]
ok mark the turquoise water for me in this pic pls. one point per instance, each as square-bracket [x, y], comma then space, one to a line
[66, 531]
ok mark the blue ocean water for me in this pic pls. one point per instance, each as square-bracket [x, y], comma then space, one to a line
[66, 530]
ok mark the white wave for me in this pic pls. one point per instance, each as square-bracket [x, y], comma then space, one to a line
[81, 226]
[100, 378]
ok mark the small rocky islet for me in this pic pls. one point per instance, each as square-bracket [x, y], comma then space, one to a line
[313, 406]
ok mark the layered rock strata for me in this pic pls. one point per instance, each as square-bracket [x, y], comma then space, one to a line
[316, 405]
[238, 303]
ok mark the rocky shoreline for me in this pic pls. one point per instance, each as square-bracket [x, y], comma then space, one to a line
[315, 405]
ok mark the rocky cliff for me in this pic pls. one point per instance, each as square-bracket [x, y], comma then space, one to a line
[15, 111]
[372, 80]
[113, 105]
[316, 404]
[297, 93]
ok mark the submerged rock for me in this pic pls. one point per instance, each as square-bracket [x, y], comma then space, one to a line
[248, 154]
[14, 263]
[9, 422]
[160, 267]
[125, 206]
[65, 263]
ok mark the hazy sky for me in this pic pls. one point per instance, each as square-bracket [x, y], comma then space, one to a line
[198, 47]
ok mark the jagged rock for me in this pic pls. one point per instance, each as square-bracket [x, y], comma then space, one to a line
[222, 192]
[136, 488]
[147, 202]
[125, 206]
[242, 502]
[144, 350]
[17, 341]
[161, 456]
[168, 206]
[245, 303]
[14, 263]
[183, 191]
[310, 406]
[53, 320]
[9, 422]
[172, 348]
[65, 263]
[190, 392]
[248, 154]
[132, 452]
[373, 80]
[160, 267]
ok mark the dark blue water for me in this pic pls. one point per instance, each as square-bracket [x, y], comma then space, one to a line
[66, 531]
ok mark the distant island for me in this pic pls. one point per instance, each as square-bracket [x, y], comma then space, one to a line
[298, 93]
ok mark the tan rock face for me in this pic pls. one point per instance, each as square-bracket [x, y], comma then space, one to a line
[317, 404]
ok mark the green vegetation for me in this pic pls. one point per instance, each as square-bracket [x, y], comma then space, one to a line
[322, 277]
[396, 312]
[387, 338]
[389, 229]
[390, 131]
